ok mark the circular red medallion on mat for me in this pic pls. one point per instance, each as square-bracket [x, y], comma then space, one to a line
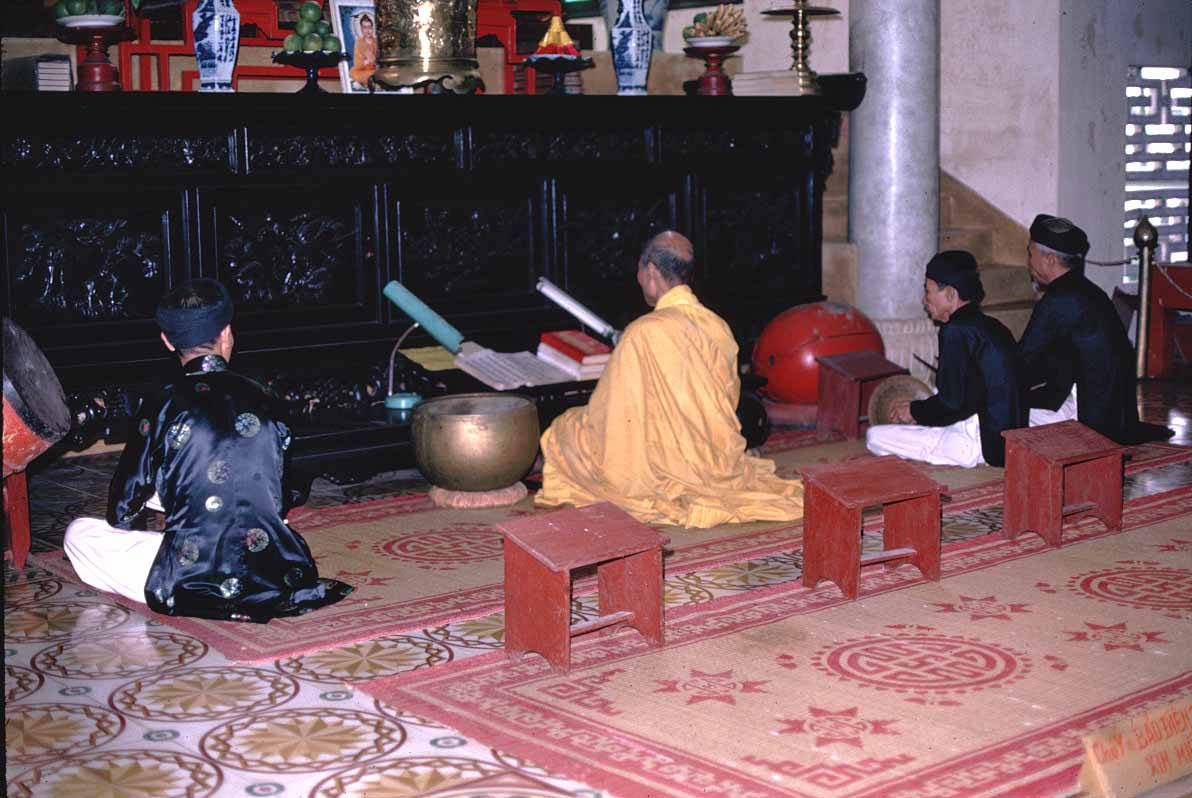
[1151, 588]
[445, 548]
[930, 663]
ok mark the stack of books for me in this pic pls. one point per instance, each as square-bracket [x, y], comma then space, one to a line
[577, 353]
[54, 74]
[38, 73]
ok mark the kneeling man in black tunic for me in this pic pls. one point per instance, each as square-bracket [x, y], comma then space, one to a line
[979, 390]
[1075, 349]
[209, 453]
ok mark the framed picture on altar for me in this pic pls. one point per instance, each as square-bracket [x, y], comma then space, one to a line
[355, 23]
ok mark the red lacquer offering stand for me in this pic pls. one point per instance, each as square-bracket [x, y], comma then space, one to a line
[714, 82]
[97, 32]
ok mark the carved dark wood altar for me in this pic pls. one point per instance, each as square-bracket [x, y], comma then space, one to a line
[306, 206]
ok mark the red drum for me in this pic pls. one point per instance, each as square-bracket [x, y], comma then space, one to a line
[785, 352]
[35, 412]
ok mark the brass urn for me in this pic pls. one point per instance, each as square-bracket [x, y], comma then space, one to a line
[429, 44]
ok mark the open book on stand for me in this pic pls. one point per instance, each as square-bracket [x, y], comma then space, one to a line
[506, 371]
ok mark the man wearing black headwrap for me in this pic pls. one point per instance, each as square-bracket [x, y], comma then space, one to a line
[1075, 348]
[210, 453]
[979, 391]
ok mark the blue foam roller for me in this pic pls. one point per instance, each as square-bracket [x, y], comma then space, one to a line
[449, 337]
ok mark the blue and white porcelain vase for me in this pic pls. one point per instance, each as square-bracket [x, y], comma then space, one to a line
[633, 42]
[217, 42]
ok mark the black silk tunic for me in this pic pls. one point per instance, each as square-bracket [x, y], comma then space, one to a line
[1076, 336]
[979, 373]
[213, 451]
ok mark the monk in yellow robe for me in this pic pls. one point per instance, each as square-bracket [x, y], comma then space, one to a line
[660, 436]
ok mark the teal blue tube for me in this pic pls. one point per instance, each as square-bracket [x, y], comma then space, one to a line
[449, 337]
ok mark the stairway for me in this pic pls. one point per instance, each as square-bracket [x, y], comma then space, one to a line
[997, 242]
[966, 222]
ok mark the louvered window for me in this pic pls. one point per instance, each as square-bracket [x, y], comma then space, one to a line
[1158, 131]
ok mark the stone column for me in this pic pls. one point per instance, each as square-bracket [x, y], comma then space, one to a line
[894, 160]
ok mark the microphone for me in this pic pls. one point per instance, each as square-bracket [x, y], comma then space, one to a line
[448, 337]
[587, 317]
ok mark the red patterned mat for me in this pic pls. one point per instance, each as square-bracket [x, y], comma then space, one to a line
[979, 685]
[417, 566]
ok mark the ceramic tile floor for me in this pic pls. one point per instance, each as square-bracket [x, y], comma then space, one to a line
[100, 701]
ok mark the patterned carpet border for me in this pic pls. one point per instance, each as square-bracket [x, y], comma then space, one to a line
[463, 693]
[319, 632]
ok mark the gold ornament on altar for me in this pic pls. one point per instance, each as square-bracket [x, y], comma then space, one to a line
[557, 41]
[427, 44]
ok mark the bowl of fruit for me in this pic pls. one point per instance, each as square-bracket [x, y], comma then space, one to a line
[89, 13]
[718, 28]
[312, 33]
[311, 46]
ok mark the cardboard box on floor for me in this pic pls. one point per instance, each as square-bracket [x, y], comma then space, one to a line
[1139, 754]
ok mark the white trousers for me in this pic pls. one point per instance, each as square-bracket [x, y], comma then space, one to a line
[957, 444]
[110, 559]
[1066, 412]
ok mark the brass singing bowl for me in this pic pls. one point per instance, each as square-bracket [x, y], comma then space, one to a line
[475, 441]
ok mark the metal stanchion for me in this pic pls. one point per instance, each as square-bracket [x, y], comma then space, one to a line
[1145, 238]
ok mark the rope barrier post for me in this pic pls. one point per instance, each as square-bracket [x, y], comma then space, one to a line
[1145, 239]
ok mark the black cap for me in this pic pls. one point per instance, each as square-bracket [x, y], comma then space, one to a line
[958, 269]
[1059, 234]
[188, 327]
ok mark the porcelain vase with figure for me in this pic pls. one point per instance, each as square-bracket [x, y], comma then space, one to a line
[217, 42]
[633, 42]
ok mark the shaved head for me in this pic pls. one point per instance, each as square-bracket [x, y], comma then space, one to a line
[672, 254]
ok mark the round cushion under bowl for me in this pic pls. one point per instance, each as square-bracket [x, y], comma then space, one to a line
[475, 441]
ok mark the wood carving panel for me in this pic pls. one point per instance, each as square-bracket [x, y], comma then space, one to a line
[285, 152]
[475, 250]
[756, 243]
[119, 153]
[100, 263]
[603, 238]
[293, 251]
[681, 143]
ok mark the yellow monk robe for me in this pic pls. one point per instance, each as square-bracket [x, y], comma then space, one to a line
[660, 437]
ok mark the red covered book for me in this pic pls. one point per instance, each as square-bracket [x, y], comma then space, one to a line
[577, 345]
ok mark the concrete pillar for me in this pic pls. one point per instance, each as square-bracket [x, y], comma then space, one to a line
[894, 161]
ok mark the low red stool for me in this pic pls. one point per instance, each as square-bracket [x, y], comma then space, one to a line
[540, 554]
[834, 497]
[845, 384]
[1059, 470]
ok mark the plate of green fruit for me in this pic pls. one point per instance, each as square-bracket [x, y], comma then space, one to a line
[312, 33]
[89, 13]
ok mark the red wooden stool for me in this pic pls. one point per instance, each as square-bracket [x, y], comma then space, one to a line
[833, 499]
[540, 554]
[1059, 470]
[845, 384]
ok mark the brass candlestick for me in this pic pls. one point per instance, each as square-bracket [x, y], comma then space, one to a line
[801, 14]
